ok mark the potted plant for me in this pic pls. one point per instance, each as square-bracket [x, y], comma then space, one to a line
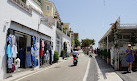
[55, 17]
[62, 54]
[56, 56]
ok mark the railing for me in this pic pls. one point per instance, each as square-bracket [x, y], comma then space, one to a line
[128, 25]
[38, 2]
[64, 31]
[22, 5]
[68, 33]
[59, 26]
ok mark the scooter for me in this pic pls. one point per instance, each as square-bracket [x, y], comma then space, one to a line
[75, 60]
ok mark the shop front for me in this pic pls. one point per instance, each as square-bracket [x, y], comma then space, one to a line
[21, 51]
[46, 52]
[23, 48]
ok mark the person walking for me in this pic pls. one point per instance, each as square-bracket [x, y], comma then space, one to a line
[129, 57]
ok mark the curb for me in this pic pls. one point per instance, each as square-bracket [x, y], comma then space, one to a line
[120, 76]
[29, 73]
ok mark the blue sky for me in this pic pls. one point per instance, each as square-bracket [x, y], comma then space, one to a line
[91, 19]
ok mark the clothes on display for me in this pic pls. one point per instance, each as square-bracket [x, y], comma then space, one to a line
[37, 51]
[13, 68]
[43, 45]
[10, 39]
[14, 51]
[33, 38]
[34, 60]
[41, 53]
[17, 62]
[32, 51]
[28, 58]
[41, 49]
[9, 51]
[10, 61]
[13, 40]
[47, 55]
[17, 54]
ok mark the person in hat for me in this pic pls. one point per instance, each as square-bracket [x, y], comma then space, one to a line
[129, 57]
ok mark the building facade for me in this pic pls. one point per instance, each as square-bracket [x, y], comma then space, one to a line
[30, 26]
[117, 44]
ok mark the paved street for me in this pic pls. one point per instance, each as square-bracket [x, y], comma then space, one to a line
[62, 72]
[92, 74]
[88, 69]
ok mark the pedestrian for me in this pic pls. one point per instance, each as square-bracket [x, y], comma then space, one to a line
[129, 57]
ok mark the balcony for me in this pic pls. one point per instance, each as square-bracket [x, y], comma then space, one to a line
[22, 5]
[68, 33]
[38, 2]
[59, 26]
[64, 31]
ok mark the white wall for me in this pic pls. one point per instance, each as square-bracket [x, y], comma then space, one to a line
[11, 12]
[68, 41]
[50, 31]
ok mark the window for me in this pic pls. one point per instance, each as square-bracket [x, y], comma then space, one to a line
[47, 7]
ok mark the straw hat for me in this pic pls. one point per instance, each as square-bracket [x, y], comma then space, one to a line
[129, 45]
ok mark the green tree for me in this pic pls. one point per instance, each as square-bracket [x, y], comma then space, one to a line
[88, 42]
[77, 43]
[133, 39]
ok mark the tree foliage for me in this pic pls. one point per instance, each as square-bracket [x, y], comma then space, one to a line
[88, 42]
[77, 43]
[133, 39]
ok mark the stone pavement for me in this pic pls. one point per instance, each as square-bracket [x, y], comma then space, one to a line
[127, 76]
[105, 71]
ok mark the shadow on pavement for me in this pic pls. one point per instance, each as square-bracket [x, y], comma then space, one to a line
[104, 67]
[71, 66]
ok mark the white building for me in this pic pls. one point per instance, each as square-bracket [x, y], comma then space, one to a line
[126, 32]
[24, 20]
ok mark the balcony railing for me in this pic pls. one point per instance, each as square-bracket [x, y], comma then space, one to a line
[38, 2]
[68, 33]
[64, 31]
[59, 26]
[22, 5]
